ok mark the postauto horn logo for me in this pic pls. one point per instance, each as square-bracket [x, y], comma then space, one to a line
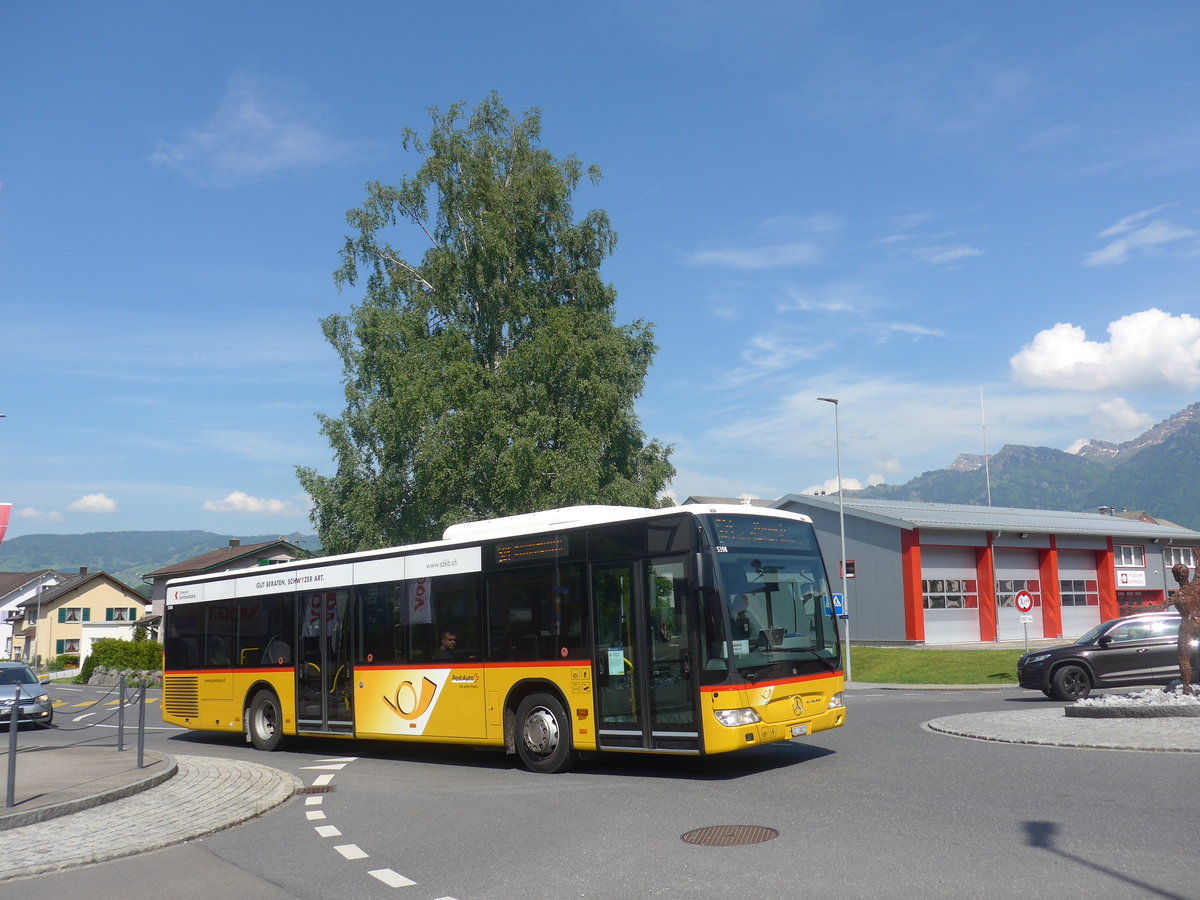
[414, 697]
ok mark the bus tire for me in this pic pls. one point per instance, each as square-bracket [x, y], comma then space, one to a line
[544, 734]
[265, 721]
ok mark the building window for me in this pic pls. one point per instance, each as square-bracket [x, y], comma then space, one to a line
[1008, 588]
[1076, 592]
[69, 615]
[1129, 556]
[120, 614]
[1173, 556]
[950, 593]
[71, 646]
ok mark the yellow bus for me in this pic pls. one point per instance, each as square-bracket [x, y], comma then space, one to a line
[697, 629]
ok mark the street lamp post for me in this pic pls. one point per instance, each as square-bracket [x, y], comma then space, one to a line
[837, 437]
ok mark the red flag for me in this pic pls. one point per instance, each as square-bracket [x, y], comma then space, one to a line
[5, 511]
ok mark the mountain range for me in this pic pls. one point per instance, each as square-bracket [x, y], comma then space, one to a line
[1155, 472]
[125, 555]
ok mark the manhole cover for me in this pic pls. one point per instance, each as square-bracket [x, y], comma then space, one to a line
[730, 835]
[315, 789]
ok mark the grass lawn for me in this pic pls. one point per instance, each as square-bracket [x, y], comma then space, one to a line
[904, 666]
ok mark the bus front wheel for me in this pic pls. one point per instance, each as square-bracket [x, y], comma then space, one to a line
[265, 721]
[544, 734]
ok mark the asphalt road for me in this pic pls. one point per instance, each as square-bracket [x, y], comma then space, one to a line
[880, 808]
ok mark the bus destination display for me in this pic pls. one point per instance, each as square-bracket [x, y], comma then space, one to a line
[532, 549]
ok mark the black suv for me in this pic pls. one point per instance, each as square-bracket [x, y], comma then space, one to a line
[1139, 649]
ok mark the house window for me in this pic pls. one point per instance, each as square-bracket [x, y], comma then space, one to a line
[1173, 556]
[120, 614]
[74, 614]
[70, 646]
[950, 593]
[1077, 592]
[1129, 556]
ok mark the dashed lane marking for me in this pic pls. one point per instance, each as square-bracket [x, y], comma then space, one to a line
[351, 851]
[394, 879]
[328, 831]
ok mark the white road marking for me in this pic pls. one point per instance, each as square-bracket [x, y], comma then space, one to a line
[314, 801]
[322, 780]
[351, 851]
[314, 815]
[327, 831]
[394, 879]
[337, 767]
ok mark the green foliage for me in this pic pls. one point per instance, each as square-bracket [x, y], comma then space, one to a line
[110, 653]
[64, 661]
[488, 378]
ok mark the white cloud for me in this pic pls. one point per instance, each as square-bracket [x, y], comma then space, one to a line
[944, 254]
[256, 133]
[94, 503]
[1147, 239]
[830, 486]
[240, 502]
[911, 328]
[1127, 223]
[1117, 421]
[37, 515]
[767, 257]
[1146, 350]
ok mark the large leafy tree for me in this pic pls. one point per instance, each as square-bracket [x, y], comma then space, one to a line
[489, 377]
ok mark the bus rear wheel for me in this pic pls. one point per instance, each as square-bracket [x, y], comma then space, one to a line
[265, 721]
[544, 734]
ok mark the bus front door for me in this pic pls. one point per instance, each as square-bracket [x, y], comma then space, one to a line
[646, 686]
[324, 678]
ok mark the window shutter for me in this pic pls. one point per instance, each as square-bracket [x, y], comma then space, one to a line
[108, 614]
[58, 647]
[132, 614]
[62, 614]
[87, 614]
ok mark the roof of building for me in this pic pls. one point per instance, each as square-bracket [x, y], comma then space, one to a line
[71, 582]
[912, 514]
[218, 558]
[11, 582]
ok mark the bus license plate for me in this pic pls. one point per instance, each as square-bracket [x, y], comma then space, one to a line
[799, 730]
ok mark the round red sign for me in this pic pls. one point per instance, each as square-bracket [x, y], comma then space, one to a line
[1024, 601]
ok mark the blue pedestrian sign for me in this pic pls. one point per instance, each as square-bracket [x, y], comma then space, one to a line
[838, 606]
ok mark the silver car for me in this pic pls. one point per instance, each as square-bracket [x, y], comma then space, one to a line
[35, 705]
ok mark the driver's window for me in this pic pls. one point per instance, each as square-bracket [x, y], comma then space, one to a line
[1130, 631]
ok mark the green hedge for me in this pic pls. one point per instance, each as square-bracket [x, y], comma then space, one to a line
[64, 661]
[113, 654]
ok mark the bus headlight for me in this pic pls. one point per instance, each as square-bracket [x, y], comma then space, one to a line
[837, 701]
[731, 718]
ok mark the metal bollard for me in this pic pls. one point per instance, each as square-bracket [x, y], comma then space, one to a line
[142, 726]
[14, 723]
[121, 715]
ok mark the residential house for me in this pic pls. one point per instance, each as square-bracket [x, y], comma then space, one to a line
[15, 589]
[68, 616]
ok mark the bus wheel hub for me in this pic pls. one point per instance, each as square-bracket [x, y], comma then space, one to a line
[541, 731]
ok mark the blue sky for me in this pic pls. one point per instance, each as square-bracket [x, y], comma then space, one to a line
[897, 205]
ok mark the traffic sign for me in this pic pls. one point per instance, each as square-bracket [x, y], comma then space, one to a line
[838, 607]
[1024, 601]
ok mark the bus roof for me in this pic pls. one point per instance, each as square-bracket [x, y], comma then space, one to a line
[515, 526]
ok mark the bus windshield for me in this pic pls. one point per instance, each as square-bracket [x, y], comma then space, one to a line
[776, 595]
